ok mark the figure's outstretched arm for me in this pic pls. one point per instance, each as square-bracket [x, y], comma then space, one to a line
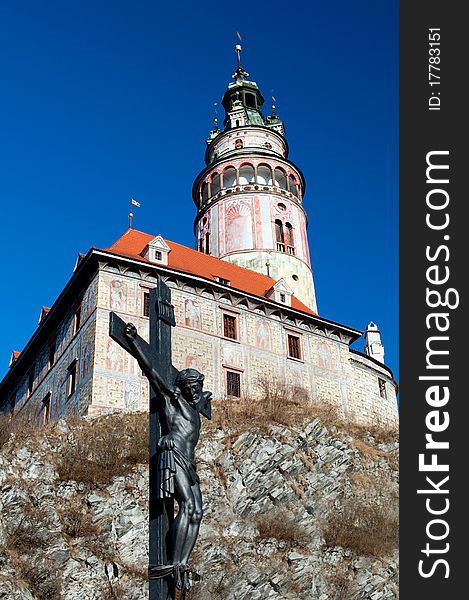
[144, 362]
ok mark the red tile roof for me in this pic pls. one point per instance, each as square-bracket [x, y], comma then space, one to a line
[181, 258]
[14, 357]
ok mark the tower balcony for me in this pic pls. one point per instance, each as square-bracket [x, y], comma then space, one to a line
[248, 177]
[248, 188]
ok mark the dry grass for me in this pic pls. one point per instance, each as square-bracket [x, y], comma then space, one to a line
[41, 578]
[31, 533]
[137, 571]
[104, 448]
[369, 530]
[21, 426]
[281, 526]
[76, 520]
[340, 583]
[115, 591]
[368, 522]
[275, 403]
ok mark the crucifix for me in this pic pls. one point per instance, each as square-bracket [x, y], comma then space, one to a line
[176, 402]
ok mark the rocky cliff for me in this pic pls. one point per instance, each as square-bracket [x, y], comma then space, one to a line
[298, 511]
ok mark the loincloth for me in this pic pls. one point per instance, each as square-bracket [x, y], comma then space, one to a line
[169, 461]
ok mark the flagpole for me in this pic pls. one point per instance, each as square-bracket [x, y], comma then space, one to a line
[131, 216]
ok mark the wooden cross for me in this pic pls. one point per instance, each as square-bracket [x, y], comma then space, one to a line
[159, 353]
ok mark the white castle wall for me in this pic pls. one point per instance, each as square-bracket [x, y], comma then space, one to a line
[328, 371]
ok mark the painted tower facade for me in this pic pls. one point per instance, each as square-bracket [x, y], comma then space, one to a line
[249, 197]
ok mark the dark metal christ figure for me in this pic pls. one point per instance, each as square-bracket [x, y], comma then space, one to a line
[177, 398]
[178, 476]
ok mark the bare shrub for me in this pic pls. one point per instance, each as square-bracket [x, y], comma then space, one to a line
[340, 583]
[31, 533]
[102, 548]
[76, 520]
[138, 571]
[281, 526]
[115, 591]
[275, 402]
[368, 522]
[41, 578]
[19, 425]
[104, 448]
[367, 529]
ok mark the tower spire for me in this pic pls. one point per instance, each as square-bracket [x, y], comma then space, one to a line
[240, 74]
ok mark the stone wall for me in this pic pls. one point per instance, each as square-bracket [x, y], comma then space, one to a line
[71, 346]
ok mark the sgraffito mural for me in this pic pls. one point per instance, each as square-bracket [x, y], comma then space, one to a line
[192, 314]
[263, 339]
[118, 295]
[238, 225]
[114, 358]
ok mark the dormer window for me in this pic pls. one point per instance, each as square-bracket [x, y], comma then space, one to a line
[222, 280]
[280, 292]
[157, 251]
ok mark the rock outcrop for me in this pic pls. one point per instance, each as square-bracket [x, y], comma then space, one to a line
[298, 512]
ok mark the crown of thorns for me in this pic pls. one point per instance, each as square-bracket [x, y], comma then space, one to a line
[188, 376]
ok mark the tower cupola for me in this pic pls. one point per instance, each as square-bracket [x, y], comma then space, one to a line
[250, 195]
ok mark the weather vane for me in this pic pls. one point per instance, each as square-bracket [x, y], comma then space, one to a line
[239, 48]
[240, 73]
[273, 104]
[215, 119]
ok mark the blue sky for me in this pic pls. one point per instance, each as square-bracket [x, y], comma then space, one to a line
[106, 100]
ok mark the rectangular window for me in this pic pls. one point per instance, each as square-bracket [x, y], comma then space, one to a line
[382, 388]
[77, 319]
[158, 255]
[294, 348]
[30, 382]
[146, 304]
[229, 327]
[46, 409]
[72, 378]
[233, 384]
[52, 350]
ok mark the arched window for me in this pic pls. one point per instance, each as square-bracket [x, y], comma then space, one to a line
[289, 238]
[215, 184]
[229, 177]
[204, 191]
[238, 143]
[279, 236]
[280, 179]
[264, 175]
[292, 185]
[246, 174]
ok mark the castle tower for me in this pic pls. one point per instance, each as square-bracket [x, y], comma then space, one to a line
[373, 344]
[250, 196]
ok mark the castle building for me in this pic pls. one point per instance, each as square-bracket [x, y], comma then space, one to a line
[244, 298]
